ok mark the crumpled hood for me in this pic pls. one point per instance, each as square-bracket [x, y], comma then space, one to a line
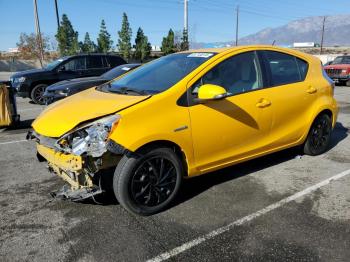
[62, 116]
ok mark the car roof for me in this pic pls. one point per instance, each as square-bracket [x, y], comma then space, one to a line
[89, 54]
[225, 49]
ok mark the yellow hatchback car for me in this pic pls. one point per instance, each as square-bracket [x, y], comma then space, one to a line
[184, 115]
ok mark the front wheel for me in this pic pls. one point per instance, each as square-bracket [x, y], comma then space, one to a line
[37, 94]
[146, 183]
[319, 136]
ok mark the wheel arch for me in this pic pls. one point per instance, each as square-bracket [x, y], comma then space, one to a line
[169, 144]
[326, 111]
[39, 82]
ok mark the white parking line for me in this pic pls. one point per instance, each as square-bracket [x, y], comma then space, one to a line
[195, 242]
[13, 142]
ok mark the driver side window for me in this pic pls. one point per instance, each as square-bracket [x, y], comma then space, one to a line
[75, 64]
[237, 74]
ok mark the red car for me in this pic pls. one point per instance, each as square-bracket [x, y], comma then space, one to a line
[339, 70]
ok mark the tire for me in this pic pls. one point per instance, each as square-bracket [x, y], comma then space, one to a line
[342, 83]
[37, 94]
[139, 184]
[319, 137]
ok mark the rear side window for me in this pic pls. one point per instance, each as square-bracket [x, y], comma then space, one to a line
[284, 69]
[94, 62]
[114, 61]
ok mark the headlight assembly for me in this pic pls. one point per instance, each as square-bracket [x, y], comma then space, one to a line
[90, 138]
[63, 92]
[19, 80]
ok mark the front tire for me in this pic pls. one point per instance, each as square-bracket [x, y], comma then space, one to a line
[146, 183]
[319, 136]
[37, 94]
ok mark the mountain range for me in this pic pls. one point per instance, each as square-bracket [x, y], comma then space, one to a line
[337, 33]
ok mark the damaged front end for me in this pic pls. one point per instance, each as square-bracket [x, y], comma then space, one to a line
[79, 156]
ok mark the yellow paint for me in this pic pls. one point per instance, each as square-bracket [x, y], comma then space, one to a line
[64, 115]
[208, 91]
[64, 161]
[220, 132]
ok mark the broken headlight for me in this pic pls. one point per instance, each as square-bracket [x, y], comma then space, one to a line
[90, 138]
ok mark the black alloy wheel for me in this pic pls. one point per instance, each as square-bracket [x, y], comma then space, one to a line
[37, 94]
[153, 181]
[319, 136]
[146, 183]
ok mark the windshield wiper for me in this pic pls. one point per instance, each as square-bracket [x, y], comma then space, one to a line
[107, 87]
[126, 90]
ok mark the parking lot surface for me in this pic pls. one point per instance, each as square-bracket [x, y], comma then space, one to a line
[282, 207]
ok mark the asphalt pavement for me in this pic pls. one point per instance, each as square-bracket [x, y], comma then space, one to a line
[282, 207]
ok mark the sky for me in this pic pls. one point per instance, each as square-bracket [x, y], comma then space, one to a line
[209, 20]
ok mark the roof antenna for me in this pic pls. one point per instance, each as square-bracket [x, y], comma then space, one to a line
[273, 43]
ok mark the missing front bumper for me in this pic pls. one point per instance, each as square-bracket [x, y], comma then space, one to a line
[83, 174]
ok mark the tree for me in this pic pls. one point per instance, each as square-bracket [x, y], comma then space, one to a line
[168, 43]
[142, 46]
[104, 42]
[28, 45]
[184, 41]
[124, 41]
[67, 38]
[87, 46]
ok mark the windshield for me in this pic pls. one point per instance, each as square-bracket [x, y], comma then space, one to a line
[54, 63]
[158, 75]
[118, 71]
[341, 60]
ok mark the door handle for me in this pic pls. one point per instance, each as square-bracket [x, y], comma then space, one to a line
[311, 90]
[263, 103]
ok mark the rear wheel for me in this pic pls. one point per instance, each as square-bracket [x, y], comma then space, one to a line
[319, 136]
[145, 184]
[37, 94]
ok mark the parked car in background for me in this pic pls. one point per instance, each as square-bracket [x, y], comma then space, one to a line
[328, 63]
[184, 115]
[69, 87]
[32, 83]
[339, 70]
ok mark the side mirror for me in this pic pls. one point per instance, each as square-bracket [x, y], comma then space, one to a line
[209, 92]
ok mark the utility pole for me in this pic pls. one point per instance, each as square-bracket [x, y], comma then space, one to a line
[38, 33]
[323, 24]
[57, 16]
[237, 23]
[185, 32]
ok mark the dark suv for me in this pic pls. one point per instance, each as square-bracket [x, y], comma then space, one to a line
[32, 83]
